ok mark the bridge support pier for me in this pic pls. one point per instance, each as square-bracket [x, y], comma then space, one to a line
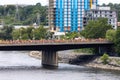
[101, 50]
[49, 59]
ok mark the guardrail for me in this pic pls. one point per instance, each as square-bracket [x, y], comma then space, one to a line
[50, 41]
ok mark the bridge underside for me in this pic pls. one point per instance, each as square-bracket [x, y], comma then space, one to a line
[52, 47]
[49, 51]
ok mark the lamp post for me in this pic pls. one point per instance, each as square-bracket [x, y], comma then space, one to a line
[20, 37]
[33, 35]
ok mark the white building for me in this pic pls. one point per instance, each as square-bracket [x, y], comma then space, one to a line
[104, 12]
[20, 26]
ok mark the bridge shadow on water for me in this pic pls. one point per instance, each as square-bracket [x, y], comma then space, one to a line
[20, 68]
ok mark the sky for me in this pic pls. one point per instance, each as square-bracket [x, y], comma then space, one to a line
[45, 2]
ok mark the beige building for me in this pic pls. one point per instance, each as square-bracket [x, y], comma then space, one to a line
[51, 16]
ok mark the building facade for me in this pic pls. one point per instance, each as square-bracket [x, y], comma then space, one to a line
[73, 15]
[101, 12]
[67, 15]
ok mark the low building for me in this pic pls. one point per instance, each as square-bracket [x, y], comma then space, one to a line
[118, 24]
[101, 12]
[20, 26]
[58, 34]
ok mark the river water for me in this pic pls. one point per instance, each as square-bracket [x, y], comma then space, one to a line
[19, 66]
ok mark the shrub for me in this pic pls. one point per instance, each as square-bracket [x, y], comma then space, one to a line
[105, 58]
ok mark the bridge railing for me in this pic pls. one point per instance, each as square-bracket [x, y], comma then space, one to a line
[50, 41]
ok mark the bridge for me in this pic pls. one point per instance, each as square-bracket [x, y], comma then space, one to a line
[49, 48]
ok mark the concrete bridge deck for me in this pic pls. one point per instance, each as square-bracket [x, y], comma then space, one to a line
[52, 45]
[49, 48]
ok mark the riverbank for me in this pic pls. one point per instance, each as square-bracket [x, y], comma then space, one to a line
[113, 64]
[96, 62]
[62, 57]
[78, 59]
[35, 54]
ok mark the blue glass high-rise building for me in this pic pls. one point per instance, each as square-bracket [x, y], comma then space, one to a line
[67, 15]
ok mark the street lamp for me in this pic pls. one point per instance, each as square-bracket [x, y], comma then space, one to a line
[33, 36]
[20, 37]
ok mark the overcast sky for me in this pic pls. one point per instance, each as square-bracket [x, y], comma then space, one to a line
[45, 2]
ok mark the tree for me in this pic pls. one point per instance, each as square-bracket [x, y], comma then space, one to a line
[110, 35]
[96, 28]
[71, 35]
[49, 35]
[20, 34]
[40, 33]
[6, 32]
[105, 58]
[27, 14]
[16, 34]
[23, 33]
[117, 41]
[30, 32]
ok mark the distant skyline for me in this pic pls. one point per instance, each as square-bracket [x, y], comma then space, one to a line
[45, 2]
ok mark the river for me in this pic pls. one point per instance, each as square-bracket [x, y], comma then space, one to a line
[19, 66]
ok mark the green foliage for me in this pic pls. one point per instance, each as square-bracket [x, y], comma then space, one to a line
[110, 35]
[86, 50]
[117, 41]
[105, 58]
[40, 33]
[49, 35]
[5, 32]
[26, 15]
[29, 33]
[71, 35]
[96, 28]
[16, 34]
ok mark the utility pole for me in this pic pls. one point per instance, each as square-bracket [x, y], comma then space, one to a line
[17, 16]
[3, 17]
[38, 18]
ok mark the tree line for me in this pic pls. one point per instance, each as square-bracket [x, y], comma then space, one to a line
[23, 14]
[29, 33]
